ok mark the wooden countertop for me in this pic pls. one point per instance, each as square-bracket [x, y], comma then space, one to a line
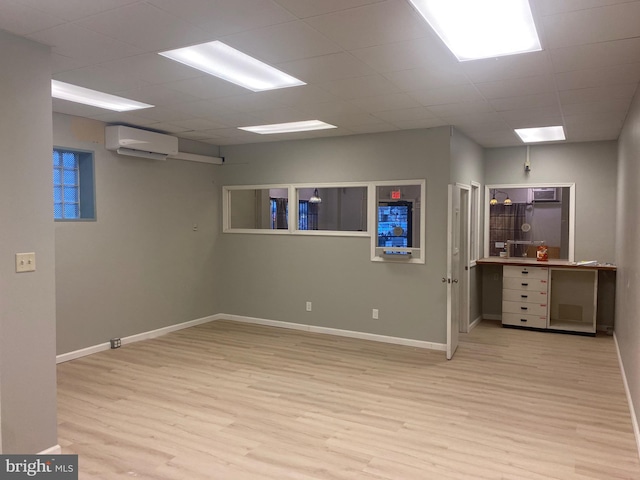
[530, 262]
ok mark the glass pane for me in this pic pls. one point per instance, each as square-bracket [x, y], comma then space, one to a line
[71, 210]
[398, 211]
[70, 194]
[341, 209]
[57, 210]
[69, 160]
[57, 158]
[533, 216]
[57, 176]
[70, 177]
[57, 194]
[259, 208]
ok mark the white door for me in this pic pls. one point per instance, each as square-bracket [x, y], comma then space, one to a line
[453, 271]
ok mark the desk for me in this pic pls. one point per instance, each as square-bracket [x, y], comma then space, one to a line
[555, 295]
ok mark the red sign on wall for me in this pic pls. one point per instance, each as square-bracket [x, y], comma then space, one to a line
[395, 195]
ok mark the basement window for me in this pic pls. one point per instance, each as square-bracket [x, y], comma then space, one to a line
[73, 185]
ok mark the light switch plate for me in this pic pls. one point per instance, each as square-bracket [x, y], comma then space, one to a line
[25, 262]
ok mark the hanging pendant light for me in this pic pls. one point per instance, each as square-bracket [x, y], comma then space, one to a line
[315, 198]
[493, 201]
[507, 201]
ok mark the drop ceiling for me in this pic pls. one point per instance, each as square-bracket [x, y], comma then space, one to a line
[369, 65]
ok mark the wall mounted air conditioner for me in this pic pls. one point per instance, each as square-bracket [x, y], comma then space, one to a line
[140, 143]
[548, 194]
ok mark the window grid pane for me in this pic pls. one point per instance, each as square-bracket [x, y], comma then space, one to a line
[66, 185]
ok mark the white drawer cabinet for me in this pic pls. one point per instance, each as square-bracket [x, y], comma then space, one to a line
[519, 320]
[525, 293]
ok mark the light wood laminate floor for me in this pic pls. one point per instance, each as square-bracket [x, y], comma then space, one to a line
[227, 400]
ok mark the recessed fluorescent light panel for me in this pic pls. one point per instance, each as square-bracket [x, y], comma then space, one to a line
[74, 93]
[223, 61]
[288, 127]
[474, 29]
[541, 134]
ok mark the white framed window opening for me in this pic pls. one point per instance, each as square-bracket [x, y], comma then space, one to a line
[391, 213]
[73, 185]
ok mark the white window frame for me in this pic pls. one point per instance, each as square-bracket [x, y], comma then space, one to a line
[474, 223]
[226, 209]
[418, 254]
[572, 210]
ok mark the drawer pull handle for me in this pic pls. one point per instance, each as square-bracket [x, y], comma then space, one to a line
[524, 272]
[524, 284]
[523, 319]
[524, 296]
[524, 308]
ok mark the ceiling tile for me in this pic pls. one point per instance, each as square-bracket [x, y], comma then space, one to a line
[603, 54]
[406, 114]
[225, 17]
[537, 84]
[350, 88]
[312, 8]
[423, 78]
[206, 86]
[376, 24]
[419, 123]
[379, 103]
[145, 27]
[23, 20]
[462, 109]
[524, 101]
[593, 25]
[445, 95]
[166, 127]
[157, 95]
[152, 68]
[125, 118]
[598, 77]
[428, 53]
[373, 128]
[595, 94]
[303, 95]
[620, 106]
[552, 7]
[101, 79]
[282, 43]
[75, 9]
[510, 67]
[81, 44]
[533, 117]
[325, 68]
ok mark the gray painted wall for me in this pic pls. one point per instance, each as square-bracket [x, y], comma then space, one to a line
[27, 300]
[139, 266]
[592, 166]
[627, 251]
[272, 276]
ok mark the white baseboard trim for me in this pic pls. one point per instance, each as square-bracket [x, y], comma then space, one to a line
[634, 418]
[65, 357]
[55, 450]
[475, 323]
[336, 331]
[83, 352]
[489, 316]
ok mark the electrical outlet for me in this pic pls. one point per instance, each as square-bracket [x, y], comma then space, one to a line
[374, 314]
[308, 306]
[116, 343]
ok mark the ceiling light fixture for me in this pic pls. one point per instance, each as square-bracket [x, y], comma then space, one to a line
[74, 93]
[290, 127]
[473, 30]
[227, 63]
[541, 134]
